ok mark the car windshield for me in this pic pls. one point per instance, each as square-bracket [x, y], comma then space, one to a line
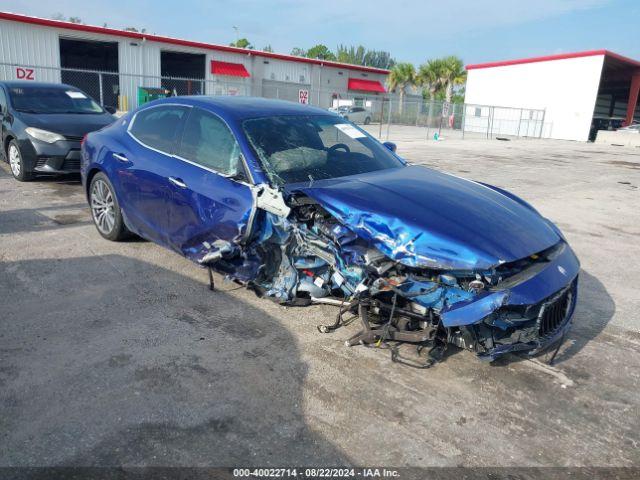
[301, 148]
[52, 100]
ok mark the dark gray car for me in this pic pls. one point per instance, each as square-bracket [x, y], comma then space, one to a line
[43, 125]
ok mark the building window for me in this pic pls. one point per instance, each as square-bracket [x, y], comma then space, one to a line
[272, 76]
[301, 78]
[478, 112]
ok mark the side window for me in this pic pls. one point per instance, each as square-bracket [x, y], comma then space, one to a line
[208, 142]
[158, 127]
[3, 101]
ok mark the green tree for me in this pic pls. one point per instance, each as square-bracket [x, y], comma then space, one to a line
[321, 52]
[402, 76]
[267, 48]
[453, 74]
[361, 56]
[430, 77]
[298, 52]
[353, 55]
[242, 43]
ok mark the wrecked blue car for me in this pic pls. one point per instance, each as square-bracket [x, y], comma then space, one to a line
[304, 207]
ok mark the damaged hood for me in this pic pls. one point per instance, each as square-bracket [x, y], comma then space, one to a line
[424, 218]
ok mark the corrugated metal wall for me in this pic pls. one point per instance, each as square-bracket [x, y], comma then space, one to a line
[139, 64]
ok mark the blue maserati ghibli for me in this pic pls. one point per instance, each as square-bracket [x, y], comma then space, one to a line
[302, 206]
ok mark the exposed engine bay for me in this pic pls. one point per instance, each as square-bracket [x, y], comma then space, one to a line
[301, 254]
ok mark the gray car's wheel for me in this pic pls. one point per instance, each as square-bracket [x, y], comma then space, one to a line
[367, 120]
[105, 209]
[16, 163]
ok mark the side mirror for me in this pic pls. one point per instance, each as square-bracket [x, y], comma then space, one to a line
[110, 109]
[391, 146]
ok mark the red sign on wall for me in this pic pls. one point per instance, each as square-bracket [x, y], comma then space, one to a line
[25, 73]
[303, 96]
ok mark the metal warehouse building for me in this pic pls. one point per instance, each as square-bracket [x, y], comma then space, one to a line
[112, 64]
[574, 93]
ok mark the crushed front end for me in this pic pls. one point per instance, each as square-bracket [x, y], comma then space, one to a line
[308, 256]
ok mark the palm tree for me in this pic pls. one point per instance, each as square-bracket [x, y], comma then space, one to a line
[453, 74]
[402, 75]
[430, 77]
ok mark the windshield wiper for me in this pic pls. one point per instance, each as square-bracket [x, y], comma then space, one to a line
[26, 110]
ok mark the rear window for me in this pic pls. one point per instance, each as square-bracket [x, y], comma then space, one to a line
[30, 99]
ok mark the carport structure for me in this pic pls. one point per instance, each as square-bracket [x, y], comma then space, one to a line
[619, 88]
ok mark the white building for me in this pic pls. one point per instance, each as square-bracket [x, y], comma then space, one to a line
[573, 92]
[39, 49]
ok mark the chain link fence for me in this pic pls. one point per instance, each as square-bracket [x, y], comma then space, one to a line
[387, 115]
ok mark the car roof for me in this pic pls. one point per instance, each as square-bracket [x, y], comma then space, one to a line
[245, 107]
[28, 83]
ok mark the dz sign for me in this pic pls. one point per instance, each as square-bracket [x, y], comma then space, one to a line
[25, 73]
[303, 96]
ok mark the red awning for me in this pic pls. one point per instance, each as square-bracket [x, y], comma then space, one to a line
[366, 85]
[228, 68]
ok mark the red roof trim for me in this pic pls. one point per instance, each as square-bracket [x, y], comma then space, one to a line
[562, 56]
[176, 41]
[365, 85]
[228, 68]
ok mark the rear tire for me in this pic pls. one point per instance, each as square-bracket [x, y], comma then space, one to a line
[367, 120]
[16, 162]
[105, 209]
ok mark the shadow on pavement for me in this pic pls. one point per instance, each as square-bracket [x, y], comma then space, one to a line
[113, 361]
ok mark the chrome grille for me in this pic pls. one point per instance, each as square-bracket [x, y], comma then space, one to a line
[554, 314]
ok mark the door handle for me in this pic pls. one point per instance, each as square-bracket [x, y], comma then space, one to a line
[120, 157]
[177, 182]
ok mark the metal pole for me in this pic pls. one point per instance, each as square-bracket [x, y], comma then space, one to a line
[381, 119]
[544, 113]
[464, 118]
[389, 118]
[319, 83]
[519, 123]
[101, 92]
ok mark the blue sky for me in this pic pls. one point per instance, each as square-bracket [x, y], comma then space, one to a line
[412, 30]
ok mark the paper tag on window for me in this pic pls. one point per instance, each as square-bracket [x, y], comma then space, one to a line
[337, 278]
[319, 282]
[74, 94]
[350, 130]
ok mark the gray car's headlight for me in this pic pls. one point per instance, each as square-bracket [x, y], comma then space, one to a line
[43, 135]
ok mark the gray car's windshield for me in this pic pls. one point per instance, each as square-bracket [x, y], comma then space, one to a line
[299, 148]
[32, 99]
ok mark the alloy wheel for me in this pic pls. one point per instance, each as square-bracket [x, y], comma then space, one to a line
[15, 160]
[103, 207]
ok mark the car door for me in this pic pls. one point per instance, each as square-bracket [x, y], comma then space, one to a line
[212, 203]
[145, 168]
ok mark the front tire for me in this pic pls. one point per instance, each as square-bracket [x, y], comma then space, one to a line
[16, 162]
[105, 209]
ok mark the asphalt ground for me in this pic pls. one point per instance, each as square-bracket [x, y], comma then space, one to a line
[118, 354]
